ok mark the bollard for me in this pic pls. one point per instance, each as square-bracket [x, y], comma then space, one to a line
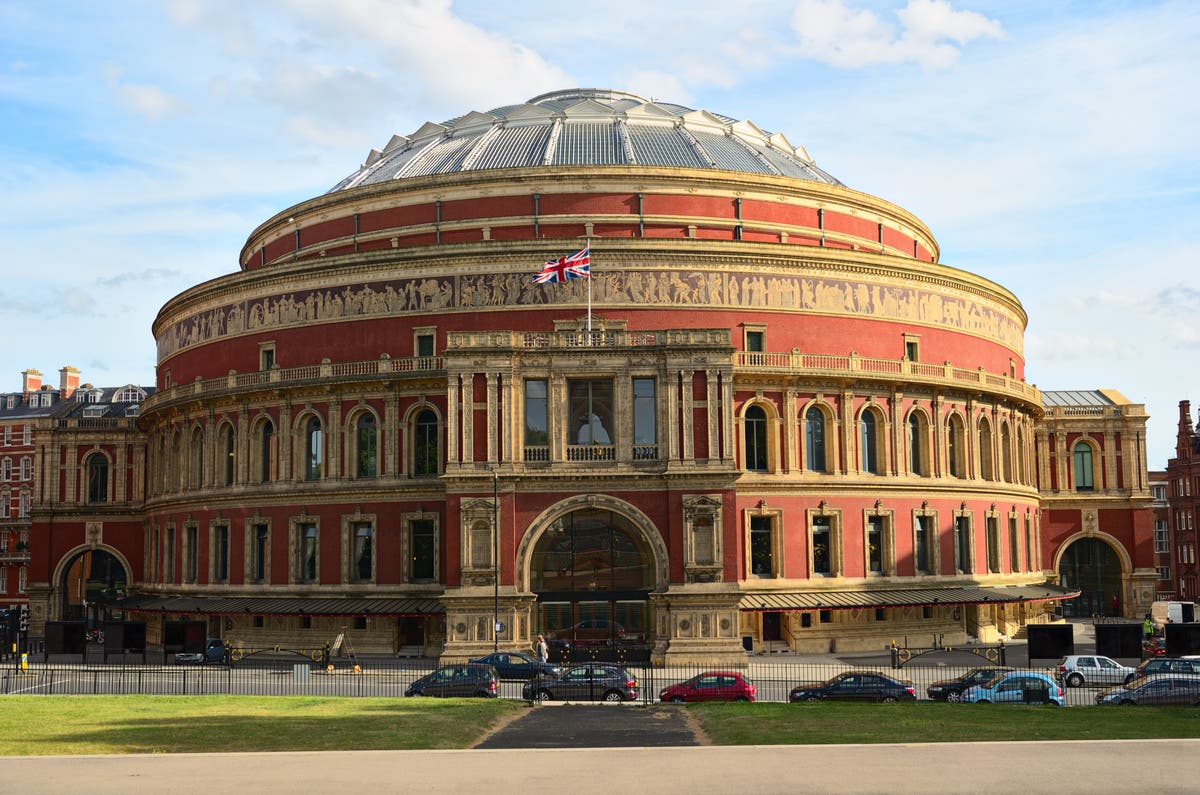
[24, 661]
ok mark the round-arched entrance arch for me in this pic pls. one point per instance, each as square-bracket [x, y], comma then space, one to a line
[1094, 567]
[592, 573]
[91, 581]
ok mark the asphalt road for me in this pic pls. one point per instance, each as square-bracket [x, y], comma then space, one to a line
[595, 726]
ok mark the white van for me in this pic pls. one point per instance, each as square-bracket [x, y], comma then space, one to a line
[1176, 612]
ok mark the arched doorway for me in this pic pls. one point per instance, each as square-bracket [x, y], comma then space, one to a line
[1094, 567]
[91, 582]
[592, 574]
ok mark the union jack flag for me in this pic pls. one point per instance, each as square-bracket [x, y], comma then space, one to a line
[573, 266]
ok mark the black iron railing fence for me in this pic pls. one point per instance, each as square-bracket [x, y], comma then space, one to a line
[773, 680]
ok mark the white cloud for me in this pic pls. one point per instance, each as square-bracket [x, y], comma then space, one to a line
[931, 33]
[150, 102]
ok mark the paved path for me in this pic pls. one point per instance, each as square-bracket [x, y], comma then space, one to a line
[595, 726]
[1164, 767]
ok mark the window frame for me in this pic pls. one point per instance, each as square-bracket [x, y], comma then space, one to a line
[931, 541]
[218, 564]
[774, 534]
[352, 527]
[408, 522]
[887, 542]
[298, 527]
[964, 536]
[253, 561]
[835, 552]
[1083, 445]
[423, 434]
[97, 478]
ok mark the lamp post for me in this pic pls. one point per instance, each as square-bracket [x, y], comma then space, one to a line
[495, 558]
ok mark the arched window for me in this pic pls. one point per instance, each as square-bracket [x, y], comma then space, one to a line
[1020, 455]
[955, 447]
[426, 453]
[1083, 467]
[367, 444]
[176, 480]
[986, 470]
[868, 442]
[266, 444]
[314, 449]
[917, 445]
[230, 455]
[97, 478]
[1006, 471]
[756, 439]
[814, 440]
[197, 457]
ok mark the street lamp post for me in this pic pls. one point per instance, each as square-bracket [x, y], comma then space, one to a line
[495, 558]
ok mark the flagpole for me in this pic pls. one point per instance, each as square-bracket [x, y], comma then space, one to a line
[589, 281]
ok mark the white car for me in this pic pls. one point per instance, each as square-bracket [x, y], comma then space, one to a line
[1091, 669]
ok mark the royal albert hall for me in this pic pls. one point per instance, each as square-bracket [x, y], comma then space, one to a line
[771, 419]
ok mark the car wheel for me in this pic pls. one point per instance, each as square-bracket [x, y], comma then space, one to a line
[813, 698]
[888, 700]
[677, 699]
[983, 701]
[954, 697]
[1075, 680]
[543, 695]
[742, 698]
[1125, 702]
[612, 697]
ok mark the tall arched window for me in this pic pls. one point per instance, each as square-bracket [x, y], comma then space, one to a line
[917, 444]
[229, 454]
[97, 478]
[426, 453]
[176, 482]
[266, 444]
[868, 442]
[814, 440]
[1020, 455]
[314, 449]
[756, 439]
[367, 446]
[956, 448]
[986, 471]
[1083, 467]
[1006, 471]
[197, 457]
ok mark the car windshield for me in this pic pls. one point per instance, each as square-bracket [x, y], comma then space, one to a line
[995, 680]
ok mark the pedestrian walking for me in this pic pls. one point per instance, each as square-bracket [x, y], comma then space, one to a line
[543, 651]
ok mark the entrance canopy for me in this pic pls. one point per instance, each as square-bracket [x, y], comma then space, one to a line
[784, 601]
[243, 605]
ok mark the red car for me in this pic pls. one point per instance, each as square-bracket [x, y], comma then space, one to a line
[710, 686]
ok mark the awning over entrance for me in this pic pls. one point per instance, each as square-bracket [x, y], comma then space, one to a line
[252, 605]
[901, 597]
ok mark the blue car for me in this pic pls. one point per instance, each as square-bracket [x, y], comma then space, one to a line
[1016, 687]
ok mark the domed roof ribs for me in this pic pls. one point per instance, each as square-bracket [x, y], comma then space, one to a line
[429, 130]
[767, 165]
[704, 121]
[552, 144]
[651, 113]
[748, 130]
[700, 151]
[421, 148]
[372, 158]
[480, 147]
[626, 144]
[396, 142]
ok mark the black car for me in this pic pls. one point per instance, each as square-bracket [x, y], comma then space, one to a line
[1165, 665]
[514, 665]
[952, 689]
[450, 681]
[1156, 690]
[855, 686]
[589, 682]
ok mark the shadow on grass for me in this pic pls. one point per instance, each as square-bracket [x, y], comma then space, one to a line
[108, 725]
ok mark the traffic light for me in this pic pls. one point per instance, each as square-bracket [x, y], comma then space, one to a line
[24, 618]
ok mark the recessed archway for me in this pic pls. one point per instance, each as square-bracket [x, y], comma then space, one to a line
[88, 580]
[1096, 567]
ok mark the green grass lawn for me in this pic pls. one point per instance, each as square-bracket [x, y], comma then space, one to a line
[803, 724]
[41, 725]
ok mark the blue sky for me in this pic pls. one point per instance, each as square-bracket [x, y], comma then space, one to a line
[1051, 147]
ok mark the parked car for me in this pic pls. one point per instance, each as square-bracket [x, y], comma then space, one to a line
[855, 686]
[593, 632]
[1158, 689]
[1016, 687]
[951, 689]
[1164, 665]
[469, 680]
[1087, 669]
[589, 682]
[515, 665]
[215, 651]
[710, 686]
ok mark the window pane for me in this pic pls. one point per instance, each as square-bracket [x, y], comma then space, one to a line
[821, 537]
[368, 440]
[645, 431]
[422, 550]
[536, 422]
[814, 429]
[425, 448]
[591, 412]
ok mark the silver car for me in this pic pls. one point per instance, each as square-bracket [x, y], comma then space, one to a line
[1091, 669]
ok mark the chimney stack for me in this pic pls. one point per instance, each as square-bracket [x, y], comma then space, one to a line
[1183, 441]
[68, 381]
[31, 381]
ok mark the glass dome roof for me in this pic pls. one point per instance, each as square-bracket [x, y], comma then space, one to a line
[586, 126]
